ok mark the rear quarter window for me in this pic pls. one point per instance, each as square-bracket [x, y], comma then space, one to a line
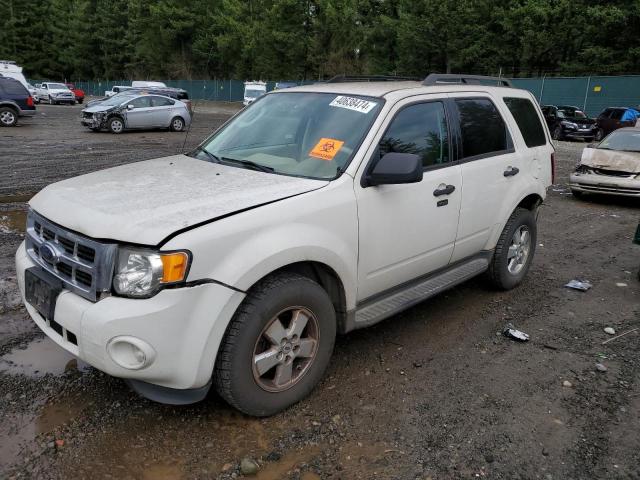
[14, 88]
[527, 120]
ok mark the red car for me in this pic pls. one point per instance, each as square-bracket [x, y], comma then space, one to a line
[76, 91]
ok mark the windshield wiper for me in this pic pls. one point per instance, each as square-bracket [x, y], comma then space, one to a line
[207, 153]
[249, 164]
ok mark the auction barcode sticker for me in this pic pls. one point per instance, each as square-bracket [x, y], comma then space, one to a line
[352, 103]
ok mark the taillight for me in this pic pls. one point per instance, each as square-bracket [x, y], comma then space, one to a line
[553, 167]
[29, 101]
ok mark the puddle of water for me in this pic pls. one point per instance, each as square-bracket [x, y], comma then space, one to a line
[13, 221]
[162, 472]
[19, 430]
[24, 198]
[278, 470]
[41, 357]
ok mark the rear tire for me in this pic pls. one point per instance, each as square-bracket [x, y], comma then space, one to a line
[177, 124]
[511, 260]
[8, 117]
[263, 365]
[115, 125]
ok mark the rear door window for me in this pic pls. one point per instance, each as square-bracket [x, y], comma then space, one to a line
[161, 102]
[528, 121]
[484, 132]
[420, 129]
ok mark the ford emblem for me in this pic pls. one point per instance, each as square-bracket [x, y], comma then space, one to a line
[49, 253]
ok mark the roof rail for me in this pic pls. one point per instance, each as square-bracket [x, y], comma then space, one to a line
[440, 78]
[369, 78]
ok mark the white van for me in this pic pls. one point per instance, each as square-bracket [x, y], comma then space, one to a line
[9, 68]
[252, 91]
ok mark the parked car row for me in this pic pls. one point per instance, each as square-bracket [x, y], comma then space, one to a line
[569, 122]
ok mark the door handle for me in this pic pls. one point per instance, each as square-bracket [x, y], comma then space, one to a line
[443, 190]
[511, 171]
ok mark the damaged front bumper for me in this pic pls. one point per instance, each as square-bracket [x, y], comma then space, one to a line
[93, 121]
[618, 183]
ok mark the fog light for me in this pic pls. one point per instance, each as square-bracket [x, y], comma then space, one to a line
[131, 352]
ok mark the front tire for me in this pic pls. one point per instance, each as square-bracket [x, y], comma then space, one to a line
[557, 133]
[8, 117]
[599, 135]
[277, 346]
[116, 125]
[51, 101]
[514, 251]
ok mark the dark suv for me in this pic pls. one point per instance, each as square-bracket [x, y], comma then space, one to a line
[569, 122]
[614, 118]
[15, 101]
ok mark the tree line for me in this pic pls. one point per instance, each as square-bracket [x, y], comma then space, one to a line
[316, 39]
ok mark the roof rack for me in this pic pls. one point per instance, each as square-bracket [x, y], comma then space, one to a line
[440, 78]
[369, 78]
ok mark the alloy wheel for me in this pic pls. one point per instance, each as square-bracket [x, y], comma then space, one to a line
[519, 250]
[7, 117]
[285, 349]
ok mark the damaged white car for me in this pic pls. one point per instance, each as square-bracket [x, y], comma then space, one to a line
[136, 111]
[611, 166]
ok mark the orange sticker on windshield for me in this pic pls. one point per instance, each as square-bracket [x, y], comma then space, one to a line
[326, 149]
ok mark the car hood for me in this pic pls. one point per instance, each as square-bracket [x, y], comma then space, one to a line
[147, 201]
[611, 160]
[98, 107]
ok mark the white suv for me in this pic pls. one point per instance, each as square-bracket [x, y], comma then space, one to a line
[316, 210]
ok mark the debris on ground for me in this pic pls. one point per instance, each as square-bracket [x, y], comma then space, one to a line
[567, 384]
[621, 284]
[248, 466]
[600, 367]
[581, 285]
[610, 330]
[621, 335]
[510, 331]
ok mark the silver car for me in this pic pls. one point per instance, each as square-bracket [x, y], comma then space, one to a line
[611, 166]
[136, 111]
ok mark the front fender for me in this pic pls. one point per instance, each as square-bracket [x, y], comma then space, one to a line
[318, 226]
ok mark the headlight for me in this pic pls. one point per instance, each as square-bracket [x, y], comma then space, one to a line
[142, 273]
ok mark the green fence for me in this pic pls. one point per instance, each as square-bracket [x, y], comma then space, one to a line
[216, 90]
[593, 94]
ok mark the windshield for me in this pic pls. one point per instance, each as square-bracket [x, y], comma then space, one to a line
[117, 99]
[571, 112]
[301, 134]
[627, 140]
[253, 93]
[57, 86]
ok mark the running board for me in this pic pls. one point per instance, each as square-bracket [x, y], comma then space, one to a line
[400, 299]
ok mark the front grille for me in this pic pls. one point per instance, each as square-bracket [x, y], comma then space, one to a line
[84, 265]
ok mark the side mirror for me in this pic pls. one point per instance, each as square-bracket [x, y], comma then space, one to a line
[592, 145]
[395, 168]
[130, 107]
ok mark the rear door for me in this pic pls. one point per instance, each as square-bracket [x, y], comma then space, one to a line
[406, 231]
[161, 111]
[490, 170]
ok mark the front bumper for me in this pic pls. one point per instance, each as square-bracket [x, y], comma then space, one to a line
[581, 133]
[183, 326]
[605, 184]
[91, 122]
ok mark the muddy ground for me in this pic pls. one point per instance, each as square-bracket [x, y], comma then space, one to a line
[435, 392]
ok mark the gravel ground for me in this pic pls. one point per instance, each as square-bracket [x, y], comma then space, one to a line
[435, 392]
